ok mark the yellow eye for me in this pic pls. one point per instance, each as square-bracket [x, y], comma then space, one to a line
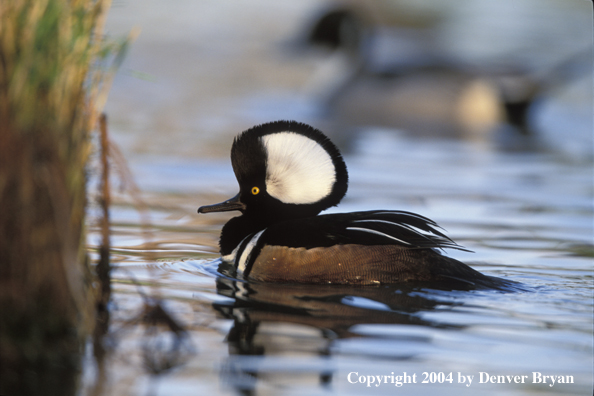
[255, 190]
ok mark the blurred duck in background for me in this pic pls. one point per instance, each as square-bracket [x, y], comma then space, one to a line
[443, 70]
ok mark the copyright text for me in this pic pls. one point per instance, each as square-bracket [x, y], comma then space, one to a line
[481, 377]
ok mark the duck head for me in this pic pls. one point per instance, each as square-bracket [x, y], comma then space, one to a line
[285, 170]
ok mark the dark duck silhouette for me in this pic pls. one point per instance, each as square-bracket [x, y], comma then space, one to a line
[288, 172]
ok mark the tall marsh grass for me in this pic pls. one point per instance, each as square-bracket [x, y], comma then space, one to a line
[53, 85]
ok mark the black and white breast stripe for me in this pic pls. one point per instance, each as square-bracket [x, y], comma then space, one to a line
[244, 255]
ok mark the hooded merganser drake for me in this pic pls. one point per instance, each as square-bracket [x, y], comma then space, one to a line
[288, 172]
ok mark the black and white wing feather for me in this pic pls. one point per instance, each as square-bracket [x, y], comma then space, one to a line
[398, 227]
[364, 228]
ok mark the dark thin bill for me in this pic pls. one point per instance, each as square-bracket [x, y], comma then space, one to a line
[226, 206]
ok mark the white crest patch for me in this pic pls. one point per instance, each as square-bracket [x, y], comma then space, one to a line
[299, 170]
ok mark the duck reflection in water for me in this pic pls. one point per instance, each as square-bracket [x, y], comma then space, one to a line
[305, 322]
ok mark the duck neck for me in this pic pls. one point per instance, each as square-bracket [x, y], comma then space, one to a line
[236, 229]
[251, 222]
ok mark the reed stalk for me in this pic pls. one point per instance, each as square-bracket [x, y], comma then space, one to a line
[52, 89]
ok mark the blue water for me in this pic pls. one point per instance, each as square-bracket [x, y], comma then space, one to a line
[527, 214]
[527, 217]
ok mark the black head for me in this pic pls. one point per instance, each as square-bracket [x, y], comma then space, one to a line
[285, 170]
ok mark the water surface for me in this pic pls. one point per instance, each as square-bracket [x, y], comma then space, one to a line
[210, 71]
[527, 217]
